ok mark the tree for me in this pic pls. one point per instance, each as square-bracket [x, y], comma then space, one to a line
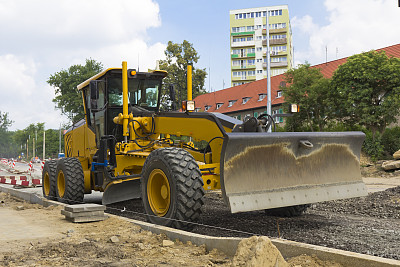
[7, 148]
[67, 98]
[367, 88]
[177, 58]
[308, 88]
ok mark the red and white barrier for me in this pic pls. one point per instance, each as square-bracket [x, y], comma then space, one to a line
[22, 180]
[42, 165]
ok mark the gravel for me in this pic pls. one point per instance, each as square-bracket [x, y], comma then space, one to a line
[368, 225]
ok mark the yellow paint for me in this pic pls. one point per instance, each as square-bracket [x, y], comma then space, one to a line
[189, 82]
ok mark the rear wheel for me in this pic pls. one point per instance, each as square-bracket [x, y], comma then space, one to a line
[172, 188]
[70, 185]
[291, 211]
[49, 179]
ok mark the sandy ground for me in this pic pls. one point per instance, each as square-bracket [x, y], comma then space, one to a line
[36, 236]
[32, 235]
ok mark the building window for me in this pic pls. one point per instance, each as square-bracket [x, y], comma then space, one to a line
[278, 119]
[250, 38]
[231, 102]
[206, 108]
[251, 50]
[245, 99]
[251, 62]
[277, 26]
[277, 36]
[261, 96]
[219, 105]
[259, 71]
[250, 28]
[279, 94]
[255, 114]
[259, 49]
[258, 37]
[279, 59]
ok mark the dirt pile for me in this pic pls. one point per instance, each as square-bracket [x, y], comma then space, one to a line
[258, 251]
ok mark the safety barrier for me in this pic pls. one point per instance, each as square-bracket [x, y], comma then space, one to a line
[20, 180]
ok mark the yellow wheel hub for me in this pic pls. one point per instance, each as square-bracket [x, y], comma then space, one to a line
[158, 192]
[46, 184]
[61, 184]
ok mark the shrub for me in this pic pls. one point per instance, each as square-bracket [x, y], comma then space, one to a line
[391, 140]
[373, 147]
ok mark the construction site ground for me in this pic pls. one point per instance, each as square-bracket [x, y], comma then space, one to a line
[33, 235]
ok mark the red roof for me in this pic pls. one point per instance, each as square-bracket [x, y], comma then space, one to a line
[254, 89]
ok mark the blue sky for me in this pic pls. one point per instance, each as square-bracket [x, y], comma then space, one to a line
[206, 25]
[42, 37]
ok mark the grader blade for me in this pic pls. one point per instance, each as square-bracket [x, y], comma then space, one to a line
[270, 170]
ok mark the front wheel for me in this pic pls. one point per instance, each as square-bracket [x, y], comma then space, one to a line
[172, 188]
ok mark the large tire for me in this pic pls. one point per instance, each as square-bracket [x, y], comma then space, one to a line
[291, 211]
[172, 188]
[70, 186]
[49, 179]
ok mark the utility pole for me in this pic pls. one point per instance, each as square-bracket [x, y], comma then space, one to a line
[27, 149]
[59, 141]
[44, 143]
[269, 108]
[33, 148]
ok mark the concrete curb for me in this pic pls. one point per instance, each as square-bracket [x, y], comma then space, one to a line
[228, 245]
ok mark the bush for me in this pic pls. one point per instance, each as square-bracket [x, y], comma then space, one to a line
[391, 140]
[373, 147]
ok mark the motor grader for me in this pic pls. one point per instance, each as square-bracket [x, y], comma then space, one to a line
[127, 148]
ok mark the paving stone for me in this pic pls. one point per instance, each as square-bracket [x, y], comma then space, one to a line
[87, 219]
[85, 207]
[82, 214]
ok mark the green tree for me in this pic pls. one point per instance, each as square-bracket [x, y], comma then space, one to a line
[67, 98]
[308, 88]
[24, 138]
[367, 89]
[177, 58]
[7, 147]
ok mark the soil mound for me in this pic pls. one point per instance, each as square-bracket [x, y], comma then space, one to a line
[258, 251]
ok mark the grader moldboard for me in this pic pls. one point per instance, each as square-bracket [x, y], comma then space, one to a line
[127, 148]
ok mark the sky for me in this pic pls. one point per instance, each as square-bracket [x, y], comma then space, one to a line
[41, 37]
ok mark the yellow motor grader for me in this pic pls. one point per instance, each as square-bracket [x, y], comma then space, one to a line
[127, 148]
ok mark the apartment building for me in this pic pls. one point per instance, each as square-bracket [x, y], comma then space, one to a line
[248, 43]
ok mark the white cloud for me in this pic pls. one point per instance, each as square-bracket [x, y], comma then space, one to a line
[354, 27]
[42, 37]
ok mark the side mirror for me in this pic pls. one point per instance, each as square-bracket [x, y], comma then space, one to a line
[94, 94]
[94, 90]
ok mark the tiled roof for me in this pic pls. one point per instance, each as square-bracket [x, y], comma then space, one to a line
[255, 88]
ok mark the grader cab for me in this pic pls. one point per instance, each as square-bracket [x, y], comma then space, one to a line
[127, 148]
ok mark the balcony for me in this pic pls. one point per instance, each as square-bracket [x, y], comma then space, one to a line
[244, 66]
[244, 55]
[275, 64]
[274, 54]
[241, 44]
[242, 33]
[274, 41]
[264, 31]
[243, 78]
[279, 64]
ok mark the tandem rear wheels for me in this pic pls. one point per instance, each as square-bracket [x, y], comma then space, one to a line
[172, 188]
[63, 180]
